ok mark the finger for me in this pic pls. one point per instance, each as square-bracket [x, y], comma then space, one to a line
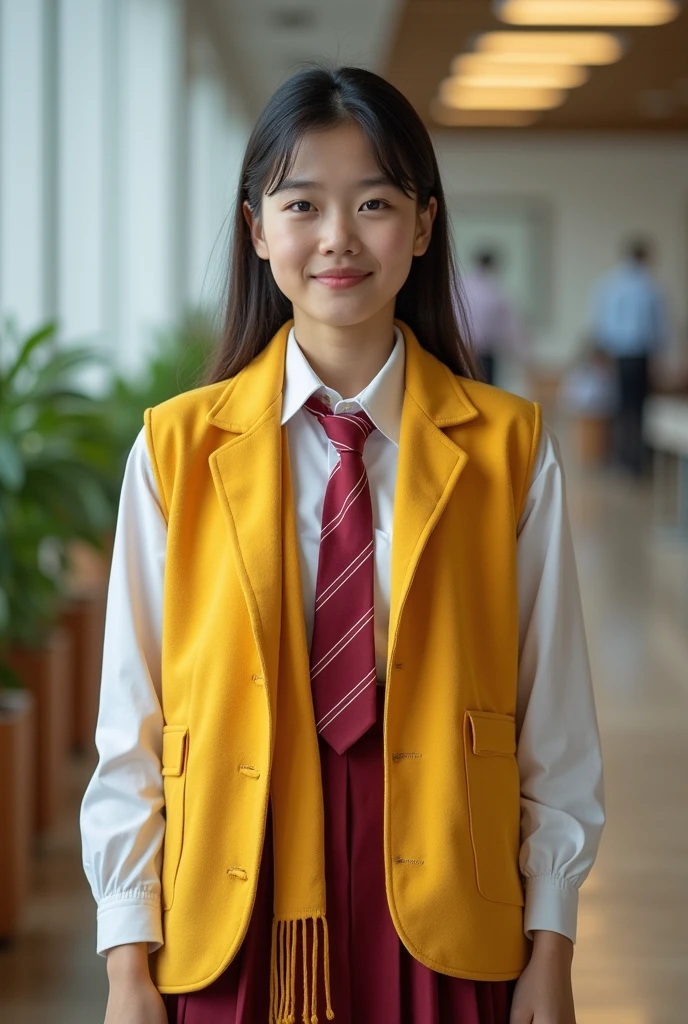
[521, 1015]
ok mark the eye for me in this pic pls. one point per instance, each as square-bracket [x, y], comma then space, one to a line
[301, 203]
[375, 204]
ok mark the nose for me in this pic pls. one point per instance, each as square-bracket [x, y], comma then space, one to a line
[338, 235]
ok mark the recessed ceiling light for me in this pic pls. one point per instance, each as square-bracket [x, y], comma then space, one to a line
[552, 47]
[587, 12]
[480, 68]
[292, 18]
[453, 118]
[453, 93]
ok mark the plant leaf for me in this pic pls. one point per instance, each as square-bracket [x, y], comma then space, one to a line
[11, 465]
[29, 346]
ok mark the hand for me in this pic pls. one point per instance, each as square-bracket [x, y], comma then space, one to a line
[543, 993]
[133, 998]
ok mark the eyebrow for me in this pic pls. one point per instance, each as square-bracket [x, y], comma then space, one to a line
[298, 184]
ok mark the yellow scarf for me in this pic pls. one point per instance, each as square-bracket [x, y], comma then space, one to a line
[297, 809]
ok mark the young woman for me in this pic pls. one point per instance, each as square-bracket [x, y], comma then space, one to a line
[349, 761]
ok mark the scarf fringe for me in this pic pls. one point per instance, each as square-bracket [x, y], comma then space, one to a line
[283, 971]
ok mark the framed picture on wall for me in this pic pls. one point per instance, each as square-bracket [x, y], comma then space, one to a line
[519, 232]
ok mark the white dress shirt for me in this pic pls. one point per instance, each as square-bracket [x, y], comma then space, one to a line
[558, 752]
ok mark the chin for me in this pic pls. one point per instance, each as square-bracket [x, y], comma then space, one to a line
[343, 314]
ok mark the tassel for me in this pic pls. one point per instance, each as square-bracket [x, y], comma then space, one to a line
[314, 990]
[328, 1001]
[283, 970]
[283, 957]
[304, 1015]
[292, 976]
[273, 975]
[287, 970]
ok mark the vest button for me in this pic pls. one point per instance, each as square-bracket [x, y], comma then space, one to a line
[238, 873]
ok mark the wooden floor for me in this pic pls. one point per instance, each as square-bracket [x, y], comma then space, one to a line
[631, 964]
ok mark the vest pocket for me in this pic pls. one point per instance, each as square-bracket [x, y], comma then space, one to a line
[174, 750]
[494, 802]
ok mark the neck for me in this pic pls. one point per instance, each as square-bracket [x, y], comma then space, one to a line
[346, 358]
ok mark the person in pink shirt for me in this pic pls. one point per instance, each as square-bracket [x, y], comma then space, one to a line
[494, 325]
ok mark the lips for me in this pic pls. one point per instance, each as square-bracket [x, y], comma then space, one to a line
[342, 272]
[342, 277]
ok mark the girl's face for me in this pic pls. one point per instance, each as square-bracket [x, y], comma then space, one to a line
[339, 237]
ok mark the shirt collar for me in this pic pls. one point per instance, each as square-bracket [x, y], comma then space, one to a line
[382, 399]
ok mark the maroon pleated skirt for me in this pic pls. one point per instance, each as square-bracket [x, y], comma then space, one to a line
[374, 979]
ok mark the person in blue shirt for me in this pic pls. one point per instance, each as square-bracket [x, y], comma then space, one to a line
[629, 323]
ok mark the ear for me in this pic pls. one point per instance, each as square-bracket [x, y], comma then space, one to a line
[256, 228]
[424, 224]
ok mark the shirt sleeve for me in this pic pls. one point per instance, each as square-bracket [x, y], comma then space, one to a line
[559, 757]
[122, 823]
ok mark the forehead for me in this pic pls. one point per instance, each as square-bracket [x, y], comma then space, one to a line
[334, 157]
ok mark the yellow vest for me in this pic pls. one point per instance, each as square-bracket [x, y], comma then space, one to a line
[452, 807]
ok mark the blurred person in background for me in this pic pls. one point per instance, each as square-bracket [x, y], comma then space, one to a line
[493, 322]
[629, 323]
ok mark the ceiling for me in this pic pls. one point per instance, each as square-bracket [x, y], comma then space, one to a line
[647, 90]
[265, 41]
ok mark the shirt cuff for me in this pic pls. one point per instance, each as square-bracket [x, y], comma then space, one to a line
[129, 917]
[550, 906]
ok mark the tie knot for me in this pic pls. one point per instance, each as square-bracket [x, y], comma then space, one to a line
[347, 431]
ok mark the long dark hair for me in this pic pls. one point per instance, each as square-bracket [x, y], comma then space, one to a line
[317, 99]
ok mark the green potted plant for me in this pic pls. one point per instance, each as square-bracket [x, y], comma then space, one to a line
[176, 363]
[58, 481]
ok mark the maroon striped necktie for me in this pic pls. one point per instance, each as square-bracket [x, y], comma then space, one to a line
[343, 675]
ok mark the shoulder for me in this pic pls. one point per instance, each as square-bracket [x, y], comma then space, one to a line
[507, 431]
[184, 416]
[189, 406]
[495, 404]
[178, 434]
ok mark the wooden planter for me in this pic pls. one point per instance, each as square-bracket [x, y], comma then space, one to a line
[16, 805]
[47, 674]
[83, 617]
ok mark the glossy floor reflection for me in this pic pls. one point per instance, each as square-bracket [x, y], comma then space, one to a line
[631, 964]
[51, 974]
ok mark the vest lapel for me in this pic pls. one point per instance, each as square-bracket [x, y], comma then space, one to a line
[247, 473]
[430, 464]
[247, 476]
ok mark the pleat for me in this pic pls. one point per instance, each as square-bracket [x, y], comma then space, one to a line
[375, 961]
[421, 992]
[336, 799]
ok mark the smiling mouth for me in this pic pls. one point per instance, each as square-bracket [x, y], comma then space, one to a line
[339, 279]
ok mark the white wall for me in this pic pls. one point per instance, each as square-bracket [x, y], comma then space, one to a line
[25, 227]
[600, 190]
[91, 168]
[82, 129]
[150, 70]
[217, 135]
